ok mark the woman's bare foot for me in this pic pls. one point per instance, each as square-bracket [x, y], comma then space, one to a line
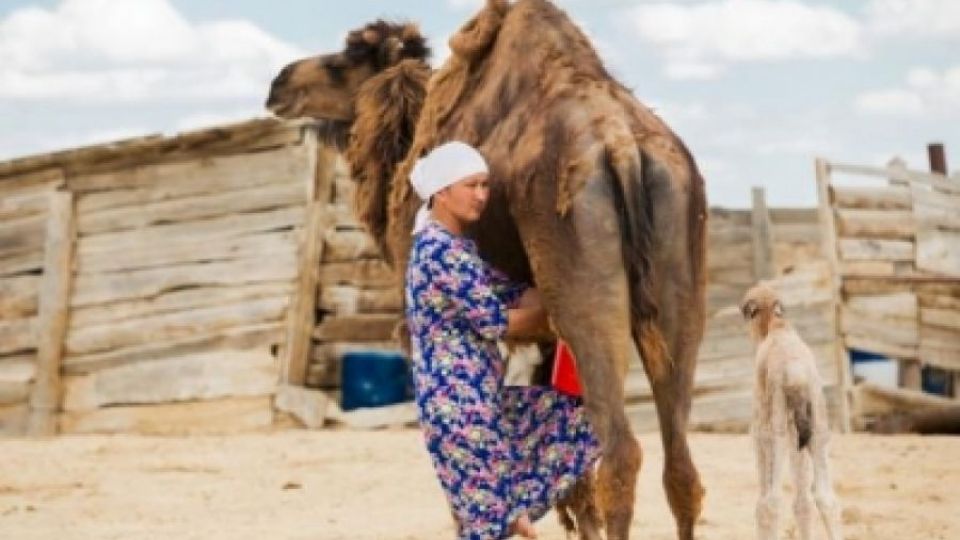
[524, 527]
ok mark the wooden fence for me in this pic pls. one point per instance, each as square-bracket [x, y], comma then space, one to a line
[212, 281]
[893, 242]
[148, 285]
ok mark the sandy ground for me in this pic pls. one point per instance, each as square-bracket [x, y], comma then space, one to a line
[379, 485]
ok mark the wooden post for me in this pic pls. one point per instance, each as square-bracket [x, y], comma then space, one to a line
[53, 314]
[828, 234]
[762, 234]
[301, 315]
[938, 158]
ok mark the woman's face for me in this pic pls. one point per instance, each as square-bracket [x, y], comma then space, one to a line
[466, 199]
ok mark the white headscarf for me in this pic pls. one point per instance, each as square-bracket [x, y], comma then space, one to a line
[445, 165]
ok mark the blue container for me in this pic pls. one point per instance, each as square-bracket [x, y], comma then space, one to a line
[374, 379]
[935, 381]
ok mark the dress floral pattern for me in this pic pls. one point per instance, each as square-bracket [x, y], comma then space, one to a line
[497, 450]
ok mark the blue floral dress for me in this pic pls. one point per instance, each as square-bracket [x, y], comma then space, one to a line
[498, 451]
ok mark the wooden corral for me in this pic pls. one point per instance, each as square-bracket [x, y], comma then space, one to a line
[893, 243]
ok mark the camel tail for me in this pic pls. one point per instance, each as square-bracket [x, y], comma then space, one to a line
[796, 392]
[635, 210]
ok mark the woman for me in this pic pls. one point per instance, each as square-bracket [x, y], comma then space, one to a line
[503, 455]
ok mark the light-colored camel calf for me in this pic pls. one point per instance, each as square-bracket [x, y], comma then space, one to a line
[790, 414]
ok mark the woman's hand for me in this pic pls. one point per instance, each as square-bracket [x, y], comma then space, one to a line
[528, 320]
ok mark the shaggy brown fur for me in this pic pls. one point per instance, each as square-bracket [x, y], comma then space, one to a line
[592, 196]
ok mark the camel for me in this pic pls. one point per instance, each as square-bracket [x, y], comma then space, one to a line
[593, 199]
[788, 407]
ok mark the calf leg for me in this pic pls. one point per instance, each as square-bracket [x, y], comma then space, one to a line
[769, 464]
[803, 501]
[823, 493]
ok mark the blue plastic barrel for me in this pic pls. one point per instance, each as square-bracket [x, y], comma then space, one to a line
[374, 379]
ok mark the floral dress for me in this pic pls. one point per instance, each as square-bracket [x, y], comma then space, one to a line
[498, 451]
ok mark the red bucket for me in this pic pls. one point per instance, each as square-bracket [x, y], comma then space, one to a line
[565, 378]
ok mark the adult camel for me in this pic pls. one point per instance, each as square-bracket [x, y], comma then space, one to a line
[593, 198]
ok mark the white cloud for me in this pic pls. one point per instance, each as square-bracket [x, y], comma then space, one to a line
[133, 51]
[465, 4]
[701, 40]
[919, 18]
[925, 92]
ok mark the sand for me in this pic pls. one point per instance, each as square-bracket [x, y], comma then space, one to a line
[379, 485]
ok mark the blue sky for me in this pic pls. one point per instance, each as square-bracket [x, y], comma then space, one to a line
[756, 88]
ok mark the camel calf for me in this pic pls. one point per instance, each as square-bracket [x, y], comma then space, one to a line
[789, 407]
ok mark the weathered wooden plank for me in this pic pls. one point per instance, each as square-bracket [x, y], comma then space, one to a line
[189, 250]
[937, 216]
[23, 233]
[868, 268]
[855, 249]
[902, 305]
[872, 343]
[307, 406]
[35, 181]
[111, 287]
[16, 377]
[730, 256]
[344, 187]
[892, 224]
[939, 301]
[55, 289]
[177, 300]
[902, 332]
[723, 234]
[192, 208]
[366, 273]
[738, 277]
[784, 215]
[19, 296]
[217, 417]
[349, 300]
[875, 198]
[205, 229]
[19, 262]
[858, 286]
[213, 174]
[796, 232]
[254, 336]
[19, 205]
[357, 328]
[348, 245]
[176, 325]
[210, 375]
[900, 174]
[13, 420]
[18, 335]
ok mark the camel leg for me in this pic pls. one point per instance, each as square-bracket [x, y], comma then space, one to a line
[577, 265]
[580, 502]
[680, 281]
[823, 493]
[802, 484]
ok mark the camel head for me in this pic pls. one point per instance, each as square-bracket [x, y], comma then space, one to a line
[761, 307]
[368, 98]
[325, 87]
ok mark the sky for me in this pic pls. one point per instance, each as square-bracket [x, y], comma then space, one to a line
[756, 88]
